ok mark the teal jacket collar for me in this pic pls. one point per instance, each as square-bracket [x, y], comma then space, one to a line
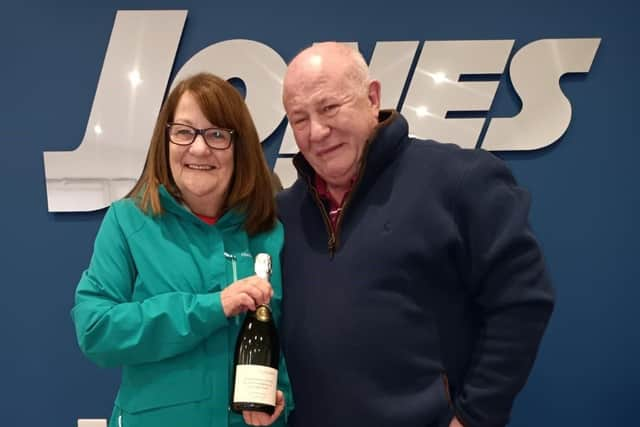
[230, 219]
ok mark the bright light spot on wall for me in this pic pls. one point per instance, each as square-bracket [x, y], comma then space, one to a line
[439, 77]
[134, 78]
[97, 129]
[422, 111]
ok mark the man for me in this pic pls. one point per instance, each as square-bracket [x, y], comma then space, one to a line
[414, 291]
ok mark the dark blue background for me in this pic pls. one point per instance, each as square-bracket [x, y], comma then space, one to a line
[584, 187]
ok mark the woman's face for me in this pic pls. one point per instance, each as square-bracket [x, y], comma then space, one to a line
[201, 173]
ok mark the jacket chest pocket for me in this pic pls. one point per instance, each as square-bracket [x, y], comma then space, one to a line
[185, 273]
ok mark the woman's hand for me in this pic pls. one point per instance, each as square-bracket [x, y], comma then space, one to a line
[254, 418]
[455, 423]
[245, 294]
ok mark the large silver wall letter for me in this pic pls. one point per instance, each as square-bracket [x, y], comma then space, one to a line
[132, 82]
[546, 113]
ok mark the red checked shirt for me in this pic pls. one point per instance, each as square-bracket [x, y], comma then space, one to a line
[335, 207]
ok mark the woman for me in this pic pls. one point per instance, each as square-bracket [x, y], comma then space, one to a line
[172, 268]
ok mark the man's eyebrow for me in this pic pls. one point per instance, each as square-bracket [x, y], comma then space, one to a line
[296, 111]
[326, 100]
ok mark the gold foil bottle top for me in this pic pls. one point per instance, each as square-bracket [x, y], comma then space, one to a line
[263, 313]
[263, 266]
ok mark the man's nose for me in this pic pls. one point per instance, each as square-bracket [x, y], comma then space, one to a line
[318, 130]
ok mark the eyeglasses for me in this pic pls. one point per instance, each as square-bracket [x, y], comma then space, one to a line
[216, 138]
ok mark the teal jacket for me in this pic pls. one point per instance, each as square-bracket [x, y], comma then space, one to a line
[150, 303]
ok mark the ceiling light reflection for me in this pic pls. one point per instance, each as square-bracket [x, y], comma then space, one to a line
[134, 78]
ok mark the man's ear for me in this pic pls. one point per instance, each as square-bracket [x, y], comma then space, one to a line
[374, 94]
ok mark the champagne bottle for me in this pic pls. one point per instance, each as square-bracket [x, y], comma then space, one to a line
[256, 355]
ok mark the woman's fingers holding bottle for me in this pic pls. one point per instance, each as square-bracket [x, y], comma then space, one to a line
[254, 418]
[245, 294]
[259, 289]
[235, 303]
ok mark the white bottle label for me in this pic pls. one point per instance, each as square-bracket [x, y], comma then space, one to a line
[255, 384]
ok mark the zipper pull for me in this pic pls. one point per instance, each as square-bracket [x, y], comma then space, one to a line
[332, 244]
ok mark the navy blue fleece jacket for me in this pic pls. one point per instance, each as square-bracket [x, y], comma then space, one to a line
[429, 300]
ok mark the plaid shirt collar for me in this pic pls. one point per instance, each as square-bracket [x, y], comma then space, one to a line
[334, 206]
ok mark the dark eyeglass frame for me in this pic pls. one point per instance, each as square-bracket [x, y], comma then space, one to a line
[201, 132]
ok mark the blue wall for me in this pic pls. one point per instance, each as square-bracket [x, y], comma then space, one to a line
[585, 186]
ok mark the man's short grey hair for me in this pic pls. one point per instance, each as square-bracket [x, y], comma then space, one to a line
[358, 72]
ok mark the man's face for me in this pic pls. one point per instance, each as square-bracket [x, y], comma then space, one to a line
[332, 117]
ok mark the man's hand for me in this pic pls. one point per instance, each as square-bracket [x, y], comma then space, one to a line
[254, 418]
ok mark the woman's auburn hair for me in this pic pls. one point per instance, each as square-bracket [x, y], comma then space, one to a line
[250, 189]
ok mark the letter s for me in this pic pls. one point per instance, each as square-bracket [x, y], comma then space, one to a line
[535, 73]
